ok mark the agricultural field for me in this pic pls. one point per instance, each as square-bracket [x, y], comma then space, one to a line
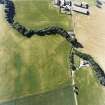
[60, 96]
[36, 70]
[32, 14]
[90, 91]
[38, 66]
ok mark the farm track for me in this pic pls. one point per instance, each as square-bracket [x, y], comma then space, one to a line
[71, 73]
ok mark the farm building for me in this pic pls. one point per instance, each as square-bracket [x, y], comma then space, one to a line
[69, 6]
[84, 63]
[62, 2]
[80, 10]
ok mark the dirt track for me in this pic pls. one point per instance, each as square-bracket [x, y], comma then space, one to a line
[90, 31]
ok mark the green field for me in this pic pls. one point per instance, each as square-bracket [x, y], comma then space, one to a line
[90, 92]
[37, 14]
[32, 65]
[60, 96]
[34, 71]
[38, 65]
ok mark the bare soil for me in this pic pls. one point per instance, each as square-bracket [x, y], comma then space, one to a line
[90, 32]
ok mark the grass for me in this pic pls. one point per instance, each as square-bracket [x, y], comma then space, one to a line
[76, 61]
[39, 66]
[33, 65]
[61, 96]
[37, 14]
[36, 65]
[90, 92]
[48, 57]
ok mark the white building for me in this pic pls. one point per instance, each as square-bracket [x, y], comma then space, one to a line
[62, 2]
[70, 6]
[84, 63]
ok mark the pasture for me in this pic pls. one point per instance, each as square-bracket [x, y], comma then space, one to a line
[36, 65]
[60, 96]
[90, 91]
[37, 14]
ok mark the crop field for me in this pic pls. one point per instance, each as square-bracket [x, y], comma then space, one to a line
[35, 71]
[60, 96]
[37, 14]
[36, 65]
[90, 92]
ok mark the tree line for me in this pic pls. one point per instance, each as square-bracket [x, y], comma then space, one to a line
[99, 72]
